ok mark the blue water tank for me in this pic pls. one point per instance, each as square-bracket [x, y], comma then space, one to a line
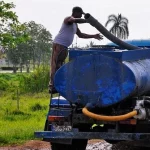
[104, 78]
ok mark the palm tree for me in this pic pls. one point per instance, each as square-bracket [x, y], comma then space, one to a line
[120, 26]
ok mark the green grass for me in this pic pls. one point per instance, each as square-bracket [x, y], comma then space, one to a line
[23, 107]
[18, 125]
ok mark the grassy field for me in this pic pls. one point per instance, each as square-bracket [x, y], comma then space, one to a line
[17, 124]
[21, 112]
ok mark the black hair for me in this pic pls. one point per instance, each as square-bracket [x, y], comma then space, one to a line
[77, 9]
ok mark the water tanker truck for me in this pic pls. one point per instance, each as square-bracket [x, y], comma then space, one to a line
[105, 85]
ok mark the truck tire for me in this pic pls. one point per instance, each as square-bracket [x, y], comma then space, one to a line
[77, 144]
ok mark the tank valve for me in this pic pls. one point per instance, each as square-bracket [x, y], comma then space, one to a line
[141, 115]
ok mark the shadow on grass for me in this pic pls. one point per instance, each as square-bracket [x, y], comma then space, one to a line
[4, 141]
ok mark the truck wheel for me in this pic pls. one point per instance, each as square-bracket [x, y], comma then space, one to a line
[77, 144]
[56, 146]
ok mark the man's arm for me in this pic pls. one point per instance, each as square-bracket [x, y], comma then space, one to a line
[87, 36]
[70, 20]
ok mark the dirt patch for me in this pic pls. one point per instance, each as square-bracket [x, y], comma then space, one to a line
[30, 145]
[92, 145]
[41, 145]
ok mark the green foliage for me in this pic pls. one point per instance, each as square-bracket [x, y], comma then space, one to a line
[3, 140]
[6, 14]
[3, 84]
[10, 82]
[17, 126]
[38, 107]
[20, 115]
[15, 96]
[18, 112]
[40, 43]
[8, 23]
[10, 76]
[36, 50]
[37, 81]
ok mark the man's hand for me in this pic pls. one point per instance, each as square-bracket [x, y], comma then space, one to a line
[98, 36]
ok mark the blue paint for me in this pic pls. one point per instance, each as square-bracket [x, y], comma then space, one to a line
[104, 77]
[135, 55]
[73, 53]
[130, 55]
[99, 82]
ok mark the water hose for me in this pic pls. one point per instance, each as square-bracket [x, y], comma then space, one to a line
[90, 19]
[109, 118]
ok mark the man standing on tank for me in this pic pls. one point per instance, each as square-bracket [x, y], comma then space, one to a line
[64, 39]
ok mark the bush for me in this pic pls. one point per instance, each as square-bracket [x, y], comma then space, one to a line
[37, 81]
[9, 82]
[3, 84]
[18, 112]
[38, 107]
[10, 76]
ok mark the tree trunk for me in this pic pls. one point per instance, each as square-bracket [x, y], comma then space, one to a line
[107, 34]
[21, 67]
[28, 69]
[14, 69]
[34, 60]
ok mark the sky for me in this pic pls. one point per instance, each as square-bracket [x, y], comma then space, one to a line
[50, 13]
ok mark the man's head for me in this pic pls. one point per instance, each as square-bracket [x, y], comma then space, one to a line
[77, 12]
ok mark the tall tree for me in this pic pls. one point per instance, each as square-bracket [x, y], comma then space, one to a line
[40, 43]
[119, 27]
[36, 50]
[17, 54]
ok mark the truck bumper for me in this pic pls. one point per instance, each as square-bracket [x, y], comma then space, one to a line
[92, 135]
